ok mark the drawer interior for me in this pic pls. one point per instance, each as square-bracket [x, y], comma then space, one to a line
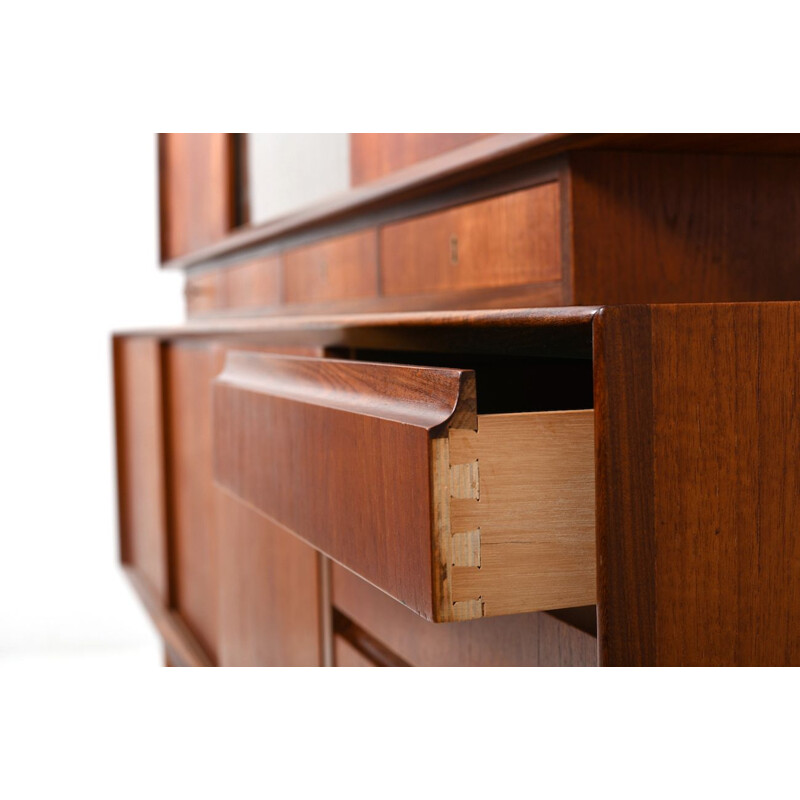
[514, 507]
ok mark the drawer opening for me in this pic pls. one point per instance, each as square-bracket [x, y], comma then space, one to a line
[507, 385]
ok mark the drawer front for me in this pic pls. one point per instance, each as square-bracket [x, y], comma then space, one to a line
[205, 293]
[506, 241]
[388, 470]
[256, 284]
[522, 640]
[345, 655]
[345, 268]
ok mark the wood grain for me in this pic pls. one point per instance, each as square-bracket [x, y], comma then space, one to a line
[676, 228]
[340, 434]
[345, 655]
[377, 434]
[269, 605]
[373, 155]
[501, 157]
[140, 460]
[540, 332]
[254, 284]
[698, 484]
[524, 538]
[197, 190]
[508, 240]
[336, 269]
[517, 640]
[189, 369]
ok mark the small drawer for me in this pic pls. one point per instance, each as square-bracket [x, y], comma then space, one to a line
[345, 268]
[506, 241]
[390, 471]
[254, 284]
[205, 293]
[393, 634]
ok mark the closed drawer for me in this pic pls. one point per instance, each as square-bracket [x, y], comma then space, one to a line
[205, 292]
[506, 241]
[345, 268]
[388, 633]
[254, 284]
[390, 471]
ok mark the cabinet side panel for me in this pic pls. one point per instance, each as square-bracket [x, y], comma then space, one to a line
[698, 484]
[684, 228]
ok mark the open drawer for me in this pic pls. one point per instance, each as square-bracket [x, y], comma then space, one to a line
[390, 471]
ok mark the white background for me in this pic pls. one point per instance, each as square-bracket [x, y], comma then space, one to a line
[84, 86]
[84, 241]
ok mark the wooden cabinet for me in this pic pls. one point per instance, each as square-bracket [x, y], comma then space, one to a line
[395, 434]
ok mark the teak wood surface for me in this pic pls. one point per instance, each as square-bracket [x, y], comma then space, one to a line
[505, 241]
[698, 484]
[373, 155]
[197, 191]
[389, 470]
[519, 640]
[498, 159]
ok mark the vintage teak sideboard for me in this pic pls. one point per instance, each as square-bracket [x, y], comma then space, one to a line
[508, 399]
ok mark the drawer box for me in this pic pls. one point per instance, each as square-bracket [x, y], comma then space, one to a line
[345, 268]
[390, 471]
[506, 241]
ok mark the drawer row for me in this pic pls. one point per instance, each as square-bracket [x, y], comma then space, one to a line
[513, 240]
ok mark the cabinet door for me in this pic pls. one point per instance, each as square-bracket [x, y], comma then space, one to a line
[269, 592]
[247, 590]
[189, 369]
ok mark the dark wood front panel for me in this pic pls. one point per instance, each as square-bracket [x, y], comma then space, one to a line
[345, 655]
[506, 241]
[140, 460]
[270, 605]
[344, 268]
[373, 155]
[684, 228]
[197, 187]
[698, 484]
[517, 640]
[194, 552]
[254, 284]
[339, 453]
